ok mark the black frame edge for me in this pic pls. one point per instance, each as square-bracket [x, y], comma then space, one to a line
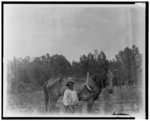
[2, 54]
[69, 2]
[77, 2]
[146, 58]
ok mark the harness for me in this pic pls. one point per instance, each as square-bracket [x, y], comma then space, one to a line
[92, 92]
[88, 87]
[87, 82]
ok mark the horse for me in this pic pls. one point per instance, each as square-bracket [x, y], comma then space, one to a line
[53, 89]
[89, 92]
[92, 89]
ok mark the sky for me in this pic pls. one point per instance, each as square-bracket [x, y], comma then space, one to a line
[72, 30]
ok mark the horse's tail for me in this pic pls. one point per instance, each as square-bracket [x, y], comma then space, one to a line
[46, 96]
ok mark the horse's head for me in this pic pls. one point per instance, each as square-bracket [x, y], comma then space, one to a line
[98, 82]
[104, 80]
[89, 87]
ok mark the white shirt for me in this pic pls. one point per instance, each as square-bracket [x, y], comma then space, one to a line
[70, 97]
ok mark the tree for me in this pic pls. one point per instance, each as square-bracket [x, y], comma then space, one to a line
[129, 64]
[95, 63]
[60, 66]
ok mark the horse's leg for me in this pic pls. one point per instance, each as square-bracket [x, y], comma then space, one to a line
[46, 98]
[53, 104]
[89, 105]
[46, 103]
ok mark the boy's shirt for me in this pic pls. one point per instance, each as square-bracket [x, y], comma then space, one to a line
[70, 97]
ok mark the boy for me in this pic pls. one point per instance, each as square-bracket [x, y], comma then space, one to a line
[70, 98]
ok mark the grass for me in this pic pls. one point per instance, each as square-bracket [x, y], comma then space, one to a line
[27, 102]
[121, 101]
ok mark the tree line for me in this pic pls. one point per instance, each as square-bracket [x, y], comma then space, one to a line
[24, 74]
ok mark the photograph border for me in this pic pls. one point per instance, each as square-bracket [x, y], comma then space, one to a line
[77, 3]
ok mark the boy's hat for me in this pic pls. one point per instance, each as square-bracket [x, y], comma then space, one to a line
[69, 81]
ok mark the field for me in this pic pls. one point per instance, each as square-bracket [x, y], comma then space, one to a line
[125, 100]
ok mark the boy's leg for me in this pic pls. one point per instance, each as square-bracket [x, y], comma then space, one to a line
[73, 108]
[67, 108]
